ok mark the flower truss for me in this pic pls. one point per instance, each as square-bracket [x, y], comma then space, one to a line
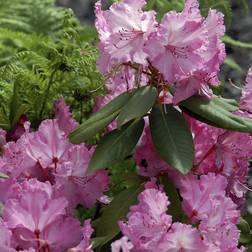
[45, 177]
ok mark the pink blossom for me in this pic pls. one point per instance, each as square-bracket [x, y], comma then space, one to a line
[182, 237]
[84, 245]
[196, 83]
[246, 99]
[188, 51]
[122, 245]
[64, 116]
[5, 188]
[222, 238]
[205, 200]
[124, 29]
[175, 48]
[39, 220]
[215, 54]
[5, 238]
[223, 152]
[199, 195]
[15, 161]
[73, 183]
[147, 222]
[205, 139]
[47, 146]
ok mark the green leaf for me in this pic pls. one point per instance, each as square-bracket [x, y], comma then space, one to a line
[172, 137]
[233, 64]
[228, 104]
[138, 105]
[175, 209]
[215, 114]
[116, 145]
[106, 226]
[99, 120]
[16, 108]
[228, 40]
[4, 121]
[245, 236]
[245, 5]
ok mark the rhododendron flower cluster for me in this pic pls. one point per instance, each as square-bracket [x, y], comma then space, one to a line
[47, 180]
[150, 228]
[184, 50]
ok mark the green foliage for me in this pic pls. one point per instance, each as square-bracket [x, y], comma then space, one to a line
[47, 54]
[31, 16]
[163, 6]
[99, 120]
[175, 208]
[245, 236]
[233, 64]
[228, 40]
[106, 227]
[116, 145]
[138, 105]
[172, 137]
[217, 112]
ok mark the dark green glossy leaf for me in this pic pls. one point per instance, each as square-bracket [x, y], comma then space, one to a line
[229, 104]
[172, 137]
[99, 120]
[216, 114]
[175, 209]
[116, 145]
[138, 105]
[106, 226]
[245, 236]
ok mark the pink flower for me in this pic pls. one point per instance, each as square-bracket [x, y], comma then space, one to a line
[199, 195]
[39, 220]
[205, 200]
[47, 146]
[147, 222]
[215, 54]
[5, 188]
[223, 237]
[246, 99]
[73, 183]
[15, 161]
[175, 48]
[64, 116]
[84, 245]
[195, 83]
[182, 237]
[124, 29]
[223, 152]
[205, 139]
[5, 238]
[122, 245]
[188, 51]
